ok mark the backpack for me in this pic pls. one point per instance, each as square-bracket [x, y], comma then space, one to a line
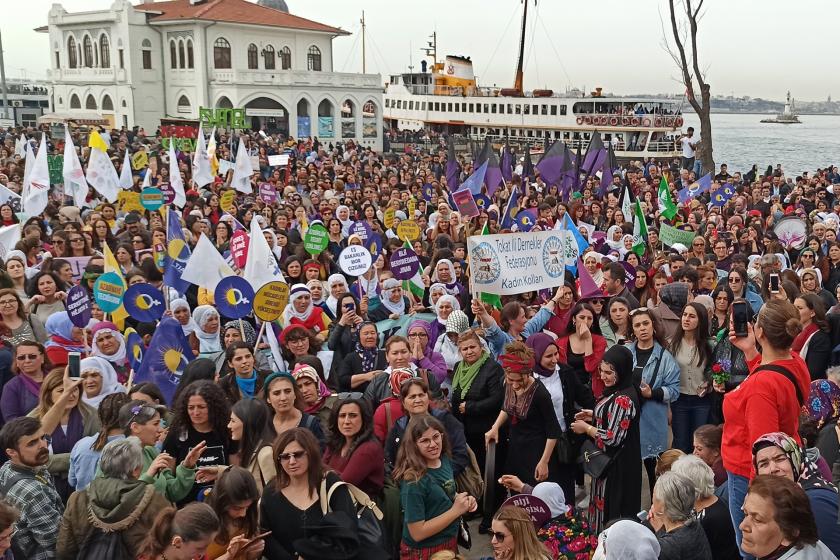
[368, 513]
[101, 544]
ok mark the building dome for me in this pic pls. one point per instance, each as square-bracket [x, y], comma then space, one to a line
[275, 4]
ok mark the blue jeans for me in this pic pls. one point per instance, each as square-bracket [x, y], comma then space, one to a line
[697, 168]
[688, 413]
[736, 486]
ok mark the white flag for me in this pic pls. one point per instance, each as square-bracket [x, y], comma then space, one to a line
[147, 179]
[242, 170]
[75, 184]
[175, 180]
[201, 171]
[627, 205]
[206, 266]
[126, 181]
[260, 264]
[29, 158]
[101, 173]
[36, 187]
[20, 149]
[13, 198]
[9, 236]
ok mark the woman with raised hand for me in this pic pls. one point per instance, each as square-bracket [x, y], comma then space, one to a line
[583, 347]
[98, 381]
[84, 457]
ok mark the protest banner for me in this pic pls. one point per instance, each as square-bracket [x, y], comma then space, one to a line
[670, 235]
[354, 260]
[108, 292]
[280, 160]
[388, 217]
[404, 264]
[78, 306]
[316, 239]
[78, 265]
[408, 230]
[226, 201]
[466, 204]
[271, 300]
[239, 247]
[522, 262]
[268, 193]
[151, 198]
[393, 327]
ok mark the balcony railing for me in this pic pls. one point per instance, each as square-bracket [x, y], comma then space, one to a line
[295, 77]
[655, 120]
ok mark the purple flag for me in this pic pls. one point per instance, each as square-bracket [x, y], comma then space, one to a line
[493, 176]
[507, 163]
[596, 154]
[610, 165]
[453, 172]
[550, 165]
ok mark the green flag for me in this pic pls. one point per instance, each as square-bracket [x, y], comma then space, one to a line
[666, 204]
[640, 231]
[493, 299]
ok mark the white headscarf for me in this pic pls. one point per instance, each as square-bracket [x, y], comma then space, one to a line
[629, 540]
[624, 250]
[110, 385]
[179, 303]
[599, 274]
[617, 245]
[453, 301]
[208, 342]
[399, 307]
[117, 357]
[317, 282]
[290, 312]
[332, 302]
[345, 224]
[552, 495]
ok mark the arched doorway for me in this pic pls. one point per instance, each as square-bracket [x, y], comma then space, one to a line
[326, 116]
[268, 115]
[304, 124]
[224, 103]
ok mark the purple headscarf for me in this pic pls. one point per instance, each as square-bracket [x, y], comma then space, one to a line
[428, 329]
[539, 343]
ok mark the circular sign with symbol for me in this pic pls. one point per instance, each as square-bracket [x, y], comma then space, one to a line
[151, 198]
[108, 292]
[355, 260]
[408, 230]
[271, 300]
[234, 297]
[144, 302]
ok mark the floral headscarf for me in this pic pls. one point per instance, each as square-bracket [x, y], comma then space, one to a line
[805, 471]
[250, 334]
[823, 405]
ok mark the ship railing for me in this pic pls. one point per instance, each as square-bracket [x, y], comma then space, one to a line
[630, 120]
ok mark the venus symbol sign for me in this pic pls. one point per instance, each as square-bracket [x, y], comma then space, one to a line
[234, 297]
[144, 302]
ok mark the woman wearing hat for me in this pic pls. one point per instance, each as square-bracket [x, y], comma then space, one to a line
[614, 426]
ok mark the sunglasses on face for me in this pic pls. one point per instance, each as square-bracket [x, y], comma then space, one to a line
[500, 537]
[296, 455]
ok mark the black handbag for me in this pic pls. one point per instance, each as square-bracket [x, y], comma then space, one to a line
[566, 449]
[595, 461]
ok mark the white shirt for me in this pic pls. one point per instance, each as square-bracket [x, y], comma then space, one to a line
[688, 146]
[555, 389]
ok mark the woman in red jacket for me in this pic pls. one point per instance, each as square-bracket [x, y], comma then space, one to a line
[583, 347]
[769, 400]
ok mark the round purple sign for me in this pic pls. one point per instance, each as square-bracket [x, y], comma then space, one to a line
[168, 192]
[533, 506]
[268, 194]
[404, 264]
[362, 230]
[78, 306]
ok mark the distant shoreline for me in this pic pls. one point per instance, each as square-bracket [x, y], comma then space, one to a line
[718, 112]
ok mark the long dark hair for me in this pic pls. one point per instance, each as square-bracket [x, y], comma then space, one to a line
[234, 486]
[109, 417]
[198, 369]
[256, 433]
[410, 464]
[218, 409]
[583, 306]
[316, 469]
[192, 523]
[336, 440]
[815, 304]
[700, 337]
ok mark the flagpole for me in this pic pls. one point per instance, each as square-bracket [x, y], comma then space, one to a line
[242, 330]
[259, 335]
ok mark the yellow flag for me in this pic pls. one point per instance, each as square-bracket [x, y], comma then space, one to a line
[96, 141]
[111, 265]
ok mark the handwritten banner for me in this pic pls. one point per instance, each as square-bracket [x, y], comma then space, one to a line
[670, 235]
[522, 262]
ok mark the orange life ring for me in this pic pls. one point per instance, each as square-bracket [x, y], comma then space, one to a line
[625, 120]
[604, 120]
[587, 120]
[658, 121]
[635, 121]
[679, 122]
[580, 120]
[669, 121]
[613, 121]
[646, 121]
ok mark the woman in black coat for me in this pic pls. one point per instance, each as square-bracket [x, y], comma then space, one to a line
[363, 363]
[477, 392]
[344, 330]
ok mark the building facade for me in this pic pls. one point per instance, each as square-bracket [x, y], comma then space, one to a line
[136, 64]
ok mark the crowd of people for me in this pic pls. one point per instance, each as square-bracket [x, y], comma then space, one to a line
[685, 409]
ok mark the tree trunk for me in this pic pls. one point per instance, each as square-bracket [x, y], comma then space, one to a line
[708, 160]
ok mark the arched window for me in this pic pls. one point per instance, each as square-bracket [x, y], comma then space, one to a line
[146, 49]
[369, 109]
[285, 58]
[190, 56]
[253, 57]
[72, 61]
[221, 53]
[74, 102]
[268, 57]
[90, 103]
[313, 59]
[184, 104]
[107, 104]
[105, 51]
[182, 62]
[87, 48]
[348, 109]
[173, 55]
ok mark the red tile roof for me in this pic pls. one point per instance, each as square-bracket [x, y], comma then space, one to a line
[231, 11]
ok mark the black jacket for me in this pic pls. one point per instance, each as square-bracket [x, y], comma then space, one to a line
[818, 357]
[350, 365]
[576, 395]
[454, 431]
[483, 400]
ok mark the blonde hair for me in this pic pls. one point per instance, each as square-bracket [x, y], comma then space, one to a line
[526, 546]
[45, 402]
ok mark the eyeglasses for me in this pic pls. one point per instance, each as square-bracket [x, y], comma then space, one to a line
[286, 457]
[137, 241]
[8, 302]
[500, 537]
[428, 442]
[734, 280]
[58, 242]
[76, 240]
[24, 357]
[418, 335]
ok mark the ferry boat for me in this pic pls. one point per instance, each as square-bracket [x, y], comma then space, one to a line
[445, 97]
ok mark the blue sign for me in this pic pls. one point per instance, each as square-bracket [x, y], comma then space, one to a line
[234, 297]
[144, 302]
[108, 292]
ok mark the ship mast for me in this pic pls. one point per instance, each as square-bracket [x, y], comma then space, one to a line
[517, 81]
[364, 66]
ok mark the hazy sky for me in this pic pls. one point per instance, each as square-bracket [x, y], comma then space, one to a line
[759, 48]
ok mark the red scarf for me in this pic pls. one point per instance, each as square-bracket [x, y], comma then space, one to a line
[803, 337]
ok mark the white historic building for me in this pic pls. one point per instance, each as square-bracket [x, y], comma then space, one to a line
[136, 64]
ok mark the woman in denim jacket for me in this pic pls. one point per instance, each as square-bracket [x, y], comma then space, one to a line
[658, 375]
